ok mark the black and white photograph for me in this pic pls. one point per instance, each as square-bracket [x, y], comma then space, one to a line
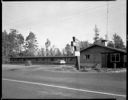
[64, 49]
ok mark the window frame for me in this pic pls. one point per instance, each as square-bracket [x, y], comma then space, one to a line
[115, 57]
[87, 56]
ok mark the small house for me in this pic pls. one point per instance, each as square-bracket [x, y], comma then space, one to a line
[103, 55]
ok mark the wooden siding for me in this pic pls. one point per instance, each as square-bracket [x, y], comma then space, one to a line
[95, 54]
[101, 55]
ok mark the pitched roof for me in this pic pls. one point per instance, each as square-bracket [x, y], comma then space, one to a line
[115, 49]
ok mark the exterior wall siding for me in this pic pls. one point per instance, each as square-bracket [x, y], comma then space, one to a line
[95, 55]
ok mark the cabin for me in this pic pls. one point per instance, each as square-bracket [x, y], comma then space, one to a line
[107, 57]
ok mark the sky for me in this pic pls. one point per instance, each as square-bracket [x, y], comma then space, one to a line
[59, 21]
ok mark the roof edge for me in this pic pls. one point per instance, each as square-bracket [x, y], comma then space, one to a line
[120, 50]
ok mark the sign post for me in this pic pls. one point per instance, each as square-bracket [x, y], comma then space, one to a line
[77, 54]
[74, 43]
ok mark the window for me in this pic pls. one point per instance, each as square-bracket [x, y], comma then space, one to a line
[87, 57]
[115, 57]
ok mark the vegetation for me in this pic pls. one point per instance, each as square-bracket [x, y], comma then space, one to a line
[68, 50]
[47, 44]
[11, 44]
[84, 44]
[30, 45]
[96, 37]
[14, 44]
[117, 42]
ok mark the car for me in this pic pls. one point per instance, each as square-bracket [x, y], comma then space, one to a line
[62, 62]
[59, 62]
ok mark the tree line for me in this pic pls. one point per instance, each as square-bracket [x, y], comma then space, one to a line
[116, 41]
[14, 44]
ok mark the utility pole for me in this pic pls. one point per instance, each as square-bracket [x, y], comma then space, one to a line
[74, 44]
[107, 18]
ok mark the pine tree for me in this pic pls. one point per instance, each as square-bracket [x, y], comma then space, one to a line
[96, 38]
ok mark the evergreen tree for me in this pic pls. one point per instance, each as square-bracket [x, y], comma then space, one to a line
[118, 42]
[96, 38]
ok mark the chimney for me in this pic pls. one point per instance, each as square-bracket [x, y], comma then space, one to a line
[103, 42]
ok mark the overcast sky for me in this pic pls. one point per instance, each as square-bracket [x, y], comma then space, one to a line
[60, 20]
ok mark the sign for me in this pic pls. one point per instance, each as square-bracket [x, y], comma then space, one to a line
[74, 44]
[77, 53]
